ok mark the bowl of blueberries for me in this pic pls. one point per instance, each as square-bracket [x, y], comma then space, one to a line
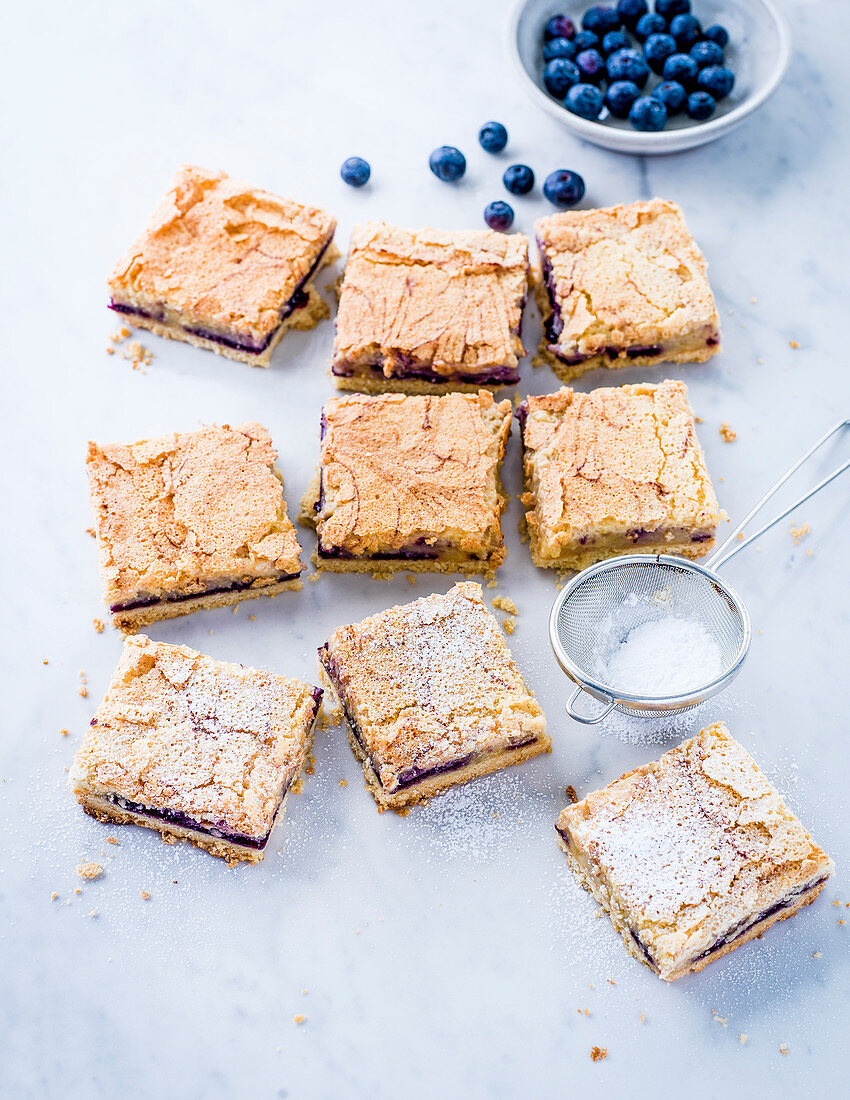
[650, 76]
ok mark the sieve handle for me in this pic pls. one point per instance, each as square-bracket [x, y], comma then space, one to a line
[719, 557]
[588, 719]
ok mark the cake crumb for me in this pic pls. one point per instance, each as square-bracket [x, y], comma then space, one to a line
[63, 733]
[598, 1053]
[411, 578]
[783, 1048]
[505, 603]
[91, 532]
[99, 625]
[111, 840]
[492, 583]
[571, 794]
[727, 432]
[299, 1019]
[82, 691]
[508, 625]
[643, 1017]
[253, 618]
[313, 578]
[343, 782]
[742, 1038]
[799, 533]
[144, 895]
[54, 896]
[753, 300]
[793, 344]
[89, 870]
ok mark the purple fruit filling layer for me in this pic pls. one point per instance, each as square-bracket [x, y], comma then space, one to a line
[240, 342]
[174, 817]
[407, 368]
[237, 586]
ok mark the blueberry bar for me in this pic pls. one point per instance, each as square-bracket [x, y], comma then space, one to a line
[410, 482]
[190, 521]
[428, 310]
[692, 855]
[623, 286]
[226, 267]
[431, 696]
[618, 470]
[197, 749]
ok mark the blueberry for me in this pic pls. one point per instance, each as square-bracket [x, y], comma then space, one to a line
[447, 163]
[657, 48]
[584, 100]
[650, 24]
[648, 113]
[518, 179]
[700, 106]
[671, 94]
[628, 65]
[586, 40]
[717, 34]
[559, 26]
[686, 30]
[613, 41]
[591, 65]
[564, 188]
[558, 47]
[492, 137]
[355, 171]
[706, 53]
[671, 8]
[681, 68]
[620, 96]
[499, 215]
[716, 80]
[600, 20]
[630, 11]
[559, 75]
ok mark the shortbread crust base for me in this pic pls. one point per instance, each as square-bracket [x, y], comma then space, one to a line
[105, 811]
[131, 621]
[755, 931]
[590, 555]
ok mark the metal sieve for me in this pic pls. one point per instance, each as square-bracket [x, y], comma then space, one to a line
[600, 606]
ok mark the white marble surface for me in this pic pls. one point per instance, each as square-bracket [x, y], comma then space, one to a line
[448, 953]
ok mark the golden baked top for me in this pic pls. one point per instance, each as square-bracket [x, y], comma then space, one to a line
[451, 300]
[222, 252]
[429, 682]
[189, 511]
[396, 468]
[618, 458]
[182, 732]
[629, 275]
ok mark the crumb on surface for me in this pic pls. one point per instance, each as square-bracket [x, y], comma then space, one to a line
[99, 625]
[83, 691]
[492, 583]
[144, 895]
[799, 533]
[598, 1053]
[299, 1019]
[643, 1017]
[89, 870]
[343, 782]
[508, 625]
[793, 344]
[54, 896]
[817, 955]
[742, 1038]
[253, 618]
[505, 603]
[571, 794]
[727, 432]
[783, 1048]
[93, 913]
[63, 733]
[411, 578]
[112, 840]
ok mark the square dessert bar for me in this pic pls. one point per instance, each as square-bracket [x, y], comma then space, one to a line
[410, 482]
[196, 748]
[190, 521]
[623, 286]
[423, 311]
[693, 855]
[224, 266]
[431, 696]
[615, 471]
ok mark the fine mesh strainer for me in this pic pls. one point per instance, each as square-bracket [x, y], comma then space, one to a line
[600, 607]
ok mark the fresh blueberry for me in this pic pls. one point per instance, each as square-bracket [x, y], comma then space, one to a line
[648, 113]
[591, 65]
[628, 65]
[700, 106]
[706, 53]
[681, 68]
[651, 23]
[716, 80]
[586, 40]
[717, 34]
[671, 8]
[355, 171]
[620, 96]
[492, 137]
[447, 163]
[499, 215]
[559, 75]
[600, 20]
[558, 47]
[671, 94]
[686, 30]
[613, 41]
[657, 48]
[564, 188]
[559, 27]
[584, 100]
[518, 179]
[630, 11]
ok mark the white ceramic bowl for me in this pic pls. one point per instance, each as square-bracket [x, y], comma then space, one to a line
[758, 54]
